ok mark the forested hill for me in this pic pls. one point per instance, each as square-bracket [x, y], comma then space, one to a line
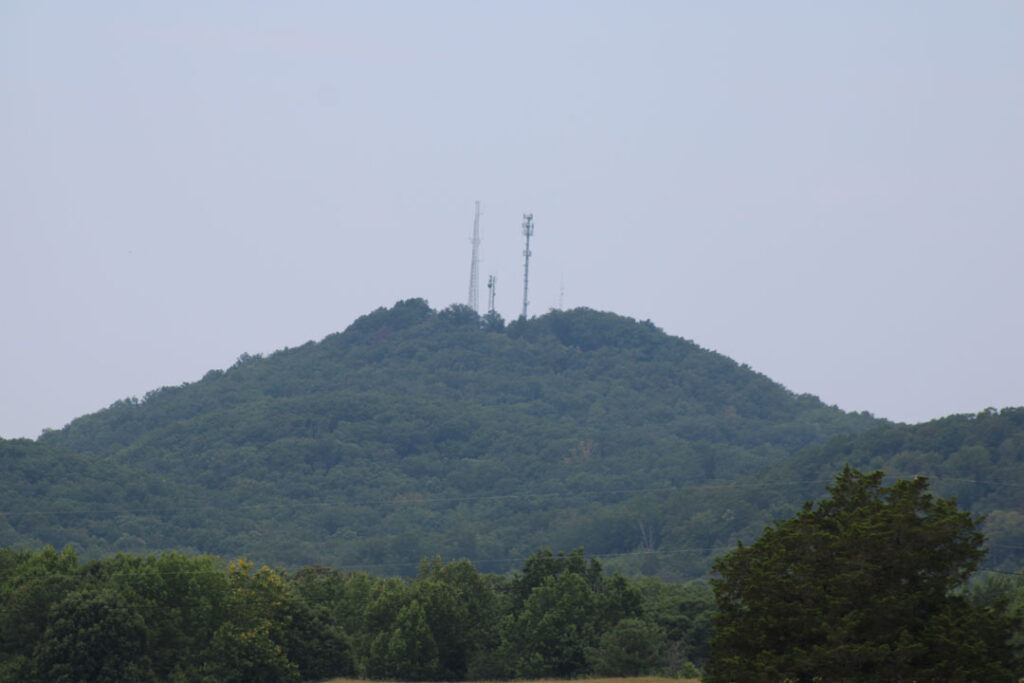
[416, 432]
[593, 370]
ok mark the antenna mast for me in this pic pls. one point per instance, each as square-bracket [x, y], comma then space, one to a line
[491, 281]
[528, 231]
[474, 277]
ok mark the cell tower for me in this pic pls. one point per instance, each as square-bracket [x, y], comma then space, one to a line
[528, 231]
[491, 281]
[474, 277]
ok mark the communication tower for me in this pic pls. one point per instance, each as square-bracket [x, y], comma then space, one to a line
[491, 281]
[528, 231]
[474, 278]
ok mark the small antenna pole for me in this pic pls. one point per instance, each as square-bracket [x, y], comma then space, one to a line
[474, 277]
[528, 232]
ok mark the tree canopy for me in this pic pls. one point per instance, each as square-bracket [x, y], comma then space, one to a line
[858, 587]
[176, 618]
[416, 432]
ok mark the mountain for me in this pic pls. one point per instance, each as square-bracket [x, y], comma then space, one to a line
[417, 432]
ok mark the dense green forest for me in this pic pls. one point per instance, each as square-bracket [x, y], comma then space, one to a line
[170, 617]
[417, 433]
[442, 434]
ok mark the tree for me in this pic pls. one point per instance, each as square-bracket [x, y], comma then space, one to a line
[550, 636]
[31, 585]
[633, 647]
[94, 635]
[857, 587]
[406, 652]
[248, 654]
[462, 612]
[250, 644]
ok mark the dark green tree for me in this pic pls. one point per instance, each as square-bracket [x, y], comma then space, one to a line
[406, 652]
[550, 635]
[31, 585]
[248, 654]
[94, 636]
[857, 587]
[250, 645]
[462, 611]
[633, 647]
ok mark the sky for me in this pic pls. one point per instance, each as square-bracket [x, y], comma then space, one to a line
[831, 193]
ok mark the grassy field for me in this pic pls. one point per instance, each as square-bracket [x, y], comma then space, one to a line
[642, 679]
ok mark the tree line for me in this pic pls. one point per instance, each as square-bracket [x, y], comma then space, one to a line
[171, 617]
[867, 584]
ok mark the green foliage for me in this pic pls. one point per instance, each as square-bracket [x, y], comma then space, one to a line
[181, 600]
[177, 618]
[462, 612]
[857, 587]
[416, 432]
[549, 636]
[31, 585]
[407, 650]
[633, 647]
[94, 635]
[166, 617]
[1003, 594]
[243, 654]
[685, 613]
[318, 647]
[560, 607]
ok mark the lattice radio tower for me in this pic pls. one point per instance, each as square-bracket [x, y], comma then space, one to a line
[528, 231]
[474, 270]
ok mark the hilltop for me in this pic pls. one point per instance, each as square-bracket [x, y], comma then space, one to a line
[417, 432]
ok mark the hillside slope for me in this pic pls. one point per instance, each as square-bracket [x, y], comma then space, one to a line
[418, 432]
[978, 459]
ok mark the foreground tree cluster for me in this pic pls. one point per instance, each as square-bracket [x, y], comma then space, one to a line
[867, 584]
[174, 618]
[860, 587]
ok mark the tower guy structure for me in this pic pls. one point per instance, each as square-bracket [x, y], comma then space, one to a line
[474, 270]
[528, 232]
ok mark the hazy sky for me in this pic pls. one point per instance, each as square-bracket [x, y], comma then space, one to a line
[830, 192]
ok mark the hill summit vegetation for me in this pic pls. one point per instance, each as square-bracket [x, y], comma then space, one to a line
[417, 432]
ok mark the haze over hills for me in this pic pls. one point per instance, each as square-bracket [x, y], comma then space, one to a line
[418, 432]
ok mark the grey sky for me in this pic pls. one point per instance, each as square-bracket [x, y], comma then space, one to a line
[832, 193]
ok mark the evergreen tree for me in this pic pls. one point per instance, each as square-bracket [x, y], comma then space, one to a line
[857, 587]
